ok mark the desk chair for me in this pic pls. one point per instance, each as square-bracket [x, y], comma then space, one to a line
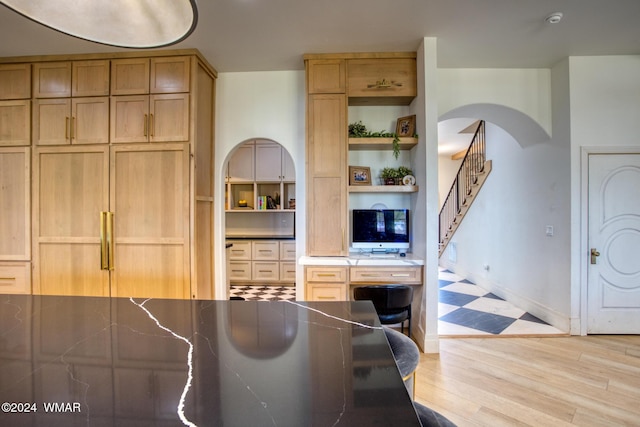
[392, 302]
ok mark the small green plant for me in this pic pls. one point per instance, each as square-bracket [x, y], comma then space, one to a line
[358, 130]
[389, 173]
[404, 171]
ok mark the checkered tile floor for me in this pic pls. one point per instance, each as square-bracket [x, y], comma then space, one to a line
[263, 292]
[466, 309]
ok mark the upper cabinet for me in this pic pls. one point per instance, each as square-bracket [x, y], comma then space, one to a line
[15, 81]
[63, 79]
[326, 76]
[387, 81]
[155, 75]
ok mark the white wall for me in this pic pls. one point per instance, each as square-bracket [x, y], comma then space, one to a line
[528, 190]
[251, 105]
[605, 113]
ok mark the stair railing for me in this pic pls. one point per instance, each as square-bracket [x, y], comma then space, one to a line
[472, 165]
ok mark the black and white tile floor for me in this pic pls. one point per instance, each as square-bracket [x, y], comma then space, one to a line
[466, 309]
[263, 292]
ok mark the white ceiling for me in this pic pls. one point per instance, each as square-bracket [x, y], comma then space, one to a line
[266, 35]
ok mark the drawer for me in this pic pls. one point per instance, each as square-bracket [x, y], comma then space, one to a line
[241, 250]
[15, 278]
[268, 271]
[381, 81]
[411, 275]
[239, 270]
[326, 292]
[288, 271]
[326, 274]
[288, 251]
[265, 250]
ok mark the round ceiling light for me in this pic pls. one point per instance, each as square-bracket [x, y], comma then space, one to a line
[122, 23]
[554, 18]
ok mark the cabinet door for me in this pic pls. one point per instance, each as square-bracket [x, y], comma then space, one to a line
[326, 76]
[326, 183]
[15, 199]
[15, 81]
[52, 121]
[169, 118]
[382, 81]
[15, 122]
[130, 76]
[170, 74]
[150, 202]
[129, 118]
[52, 80]
[241, 164]
[268, 162]
[288, 169]
[71, 188]
[90, 78]
[90, 120]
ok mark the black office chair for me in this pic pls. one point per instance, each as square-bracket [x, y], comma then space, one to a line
[392, 302]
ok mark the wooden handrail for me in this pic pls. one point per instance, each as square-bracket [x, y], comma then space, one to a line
[472, 165]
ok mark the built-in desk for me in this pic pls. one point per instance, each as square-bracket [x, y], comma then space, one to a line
[333, 278]
[118, 361]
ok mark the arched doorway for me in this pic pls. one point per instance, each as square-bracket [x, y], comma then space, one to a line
[259, 221]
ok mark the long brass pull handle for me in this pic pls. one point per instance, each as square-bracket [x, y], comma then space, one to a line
[104, 254]
[7, 278]
[331, 298]
[66, 128]
[326, 275]
[146, 125]
[151, 125]
[110, 240]
[71, 128]
[594, 255]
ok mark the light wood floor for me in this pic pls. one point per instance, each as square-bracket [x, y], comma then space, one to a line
[555, 381]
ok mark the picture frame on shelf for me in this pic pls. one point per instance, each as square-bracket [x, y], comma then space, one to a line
[406, 126]
[359, 175]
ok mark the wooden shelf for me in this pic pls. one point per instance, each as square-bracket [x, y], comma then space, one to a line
[245, 210]
[380, 143]
[383, 189]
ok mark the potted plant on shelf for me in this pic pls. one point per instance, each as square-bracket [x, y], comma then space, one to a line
[390, 176]
[358, 130]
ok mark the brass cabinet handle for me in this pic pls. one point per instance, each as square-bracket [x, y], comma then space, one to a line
[71, 128]
[110, 240]
[151, 125]
[146, 125]
[104, 254]
[7, 279]
[321, 297]
[326, 275]
[400, 274]
[66, 128]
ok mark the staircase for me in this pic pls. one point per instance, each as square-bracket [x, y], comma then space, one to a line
[473, 172]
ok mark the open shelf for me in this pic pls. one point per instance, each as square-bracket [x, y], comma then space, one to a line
[383, 189]
[381, 143]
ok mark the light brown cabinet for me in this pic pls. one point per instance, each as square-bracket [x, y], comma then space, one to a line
[326, 283]
[327, 222]
[15, 122]
[103, 197]
[63, 121]
[261, 261]
[326, 76]
[15, 81]
[383, 81]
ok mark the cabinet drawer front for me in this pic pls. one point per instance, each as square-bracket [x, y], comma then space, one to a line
[326, 274]
[287, 251]
[382, 78]
[268, 250]
[386, 274]
[266, 271]
[326, 292]
[15, 279]
[288, 271]
[239, 270]
[240, 251]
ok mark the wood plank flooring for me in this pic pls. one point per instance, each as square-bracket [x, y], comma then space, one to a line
[554, 381]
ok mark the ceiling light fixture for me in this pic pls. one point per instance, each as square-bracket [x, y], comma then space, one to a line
[554, 18]
[123, 23]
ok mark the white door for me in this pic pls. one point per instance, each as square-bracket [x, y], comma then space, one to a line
[614, 244]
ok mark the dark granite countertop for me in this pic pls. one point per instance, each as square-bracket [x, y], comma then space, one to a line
[135, 362]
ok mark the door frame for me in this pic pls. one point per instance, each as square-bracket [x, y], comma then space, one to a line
[581, 298]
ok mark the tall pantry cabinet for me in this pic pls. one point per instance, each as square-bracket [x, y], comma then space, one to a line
[122, 192]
